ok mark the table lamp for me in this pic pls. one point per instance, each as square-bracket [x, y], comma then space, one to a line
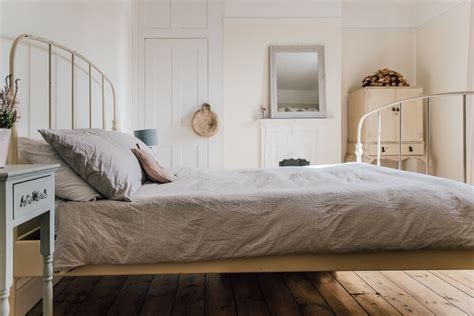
[148, 136]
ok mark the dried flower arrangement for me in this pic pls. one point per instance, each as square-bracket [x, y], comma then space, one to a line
[8, 99]
[385, 78]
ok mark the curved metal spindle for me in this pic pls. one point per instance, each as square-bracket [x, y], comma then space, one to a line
[428, 136]
[103, 103]
[50, 95]
[379, 137]
[400, 162]
[73, 105]
[90, 96]
[464, 134]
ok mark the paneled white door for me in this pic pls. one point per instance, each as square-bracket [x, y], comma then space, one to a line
[176, 84]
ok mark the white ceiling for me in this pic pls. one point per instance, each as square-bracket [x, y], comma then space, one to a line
[354, 13]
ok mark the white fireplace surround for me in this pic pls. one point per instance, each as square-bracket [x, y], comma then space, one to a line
[289, 138]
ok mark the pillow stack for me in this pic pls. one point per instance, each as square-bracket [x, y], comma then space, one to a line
[69, 185]
[102, 158]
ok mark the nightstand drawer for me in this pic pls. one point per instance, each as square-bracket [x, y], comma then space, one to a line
[32, 194]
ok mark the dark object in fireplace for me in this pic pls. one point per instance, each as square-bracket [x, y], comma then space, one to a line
[293, 162]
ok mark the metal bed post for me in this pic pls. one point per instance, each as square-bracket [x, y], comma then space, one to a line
[400, 163]
[115, 122]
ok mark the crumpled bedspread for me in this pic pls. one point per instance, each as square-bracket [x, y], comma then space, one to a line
[216, 214]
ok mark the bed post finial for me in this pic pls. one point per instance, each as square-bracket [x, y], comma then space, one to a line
[115, 125]
[359, 151]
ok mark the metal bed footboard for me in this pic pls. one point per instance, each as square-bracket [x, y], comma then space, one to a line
[359, 148]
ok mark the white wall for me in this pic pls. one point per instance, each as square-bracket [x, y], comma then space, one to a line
[392, 13]
[246, 82]
[100, 30]
[442, 66]
[365, 50]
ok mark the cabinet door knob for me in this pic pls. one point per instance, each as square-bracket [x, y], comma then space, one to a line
[410, 148]
[383, 149]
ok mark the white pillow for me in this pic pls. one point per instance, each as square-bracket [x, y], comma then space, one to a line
[69, 185]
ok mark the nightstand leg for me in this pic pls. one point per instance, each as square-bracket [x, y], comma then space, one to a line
[6, 268]
[48, 285]
[47, 249]
[4, 303]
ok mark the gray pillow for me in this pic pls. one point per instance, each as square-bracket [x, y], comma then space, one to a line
[103, 158]
[69, 185]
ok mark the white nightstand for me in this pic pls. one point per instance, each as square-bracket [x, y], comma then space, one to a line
[26, 192]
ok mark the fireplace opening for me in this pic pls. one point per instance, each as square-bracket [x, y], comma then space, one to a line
[293, 162]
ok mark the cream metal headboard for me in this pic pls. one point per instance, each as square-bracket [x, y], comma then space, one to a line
[359, 147]
[74, 56]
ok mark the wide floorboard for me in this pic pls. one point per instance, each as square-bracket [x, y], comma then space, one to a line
[312, 293]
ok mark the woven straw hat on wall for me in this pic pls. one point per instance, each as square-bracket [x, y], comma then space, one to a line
[205, 123]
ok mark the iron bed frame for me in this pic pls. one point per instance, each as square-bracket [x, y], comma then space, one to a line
[27, 261]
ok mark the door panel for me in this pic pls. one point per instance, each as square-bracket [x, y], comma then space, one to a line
[176, 84]
[375, 99]
[412, 115]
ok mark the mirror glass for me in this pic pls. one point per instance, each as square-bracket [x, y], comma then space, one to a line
[297, 82]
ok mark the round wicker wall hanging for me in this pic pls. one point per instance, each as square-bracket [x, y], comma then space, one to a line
[205, 122]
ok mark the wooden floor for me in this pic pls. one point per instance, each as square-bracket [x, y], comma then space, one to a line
[326, 293]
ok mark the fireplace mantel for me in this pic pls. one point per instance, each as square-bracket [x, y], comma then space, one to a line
[290, 138]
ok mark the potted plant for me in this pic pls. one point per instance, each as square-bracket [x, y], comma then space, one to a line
[8, 116]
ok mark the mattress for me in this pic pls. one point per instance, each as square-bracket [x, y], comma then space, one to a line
[216, 214]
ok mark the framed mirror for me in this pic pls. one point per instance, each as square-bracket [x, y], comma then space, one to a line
[297, 82]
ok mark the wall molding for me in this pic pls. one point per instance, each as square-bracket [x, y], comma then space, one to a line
[279, 19]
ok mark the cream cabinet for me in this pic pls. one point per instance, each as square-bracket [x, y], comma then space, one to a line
[366, 99]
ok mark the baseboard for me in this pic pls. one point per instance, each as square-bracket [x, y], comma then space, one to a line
[28, 293]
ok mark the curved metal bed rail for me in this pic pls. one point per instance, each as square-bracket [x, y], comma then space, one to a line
[74, 55]
[359, 147]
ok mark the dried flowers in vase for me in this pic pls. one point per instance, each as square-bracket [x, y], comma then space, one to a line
[8, 116]
[8, 99]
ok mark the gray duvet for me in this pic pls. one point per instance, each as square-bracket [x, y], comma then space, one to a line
[213, 214]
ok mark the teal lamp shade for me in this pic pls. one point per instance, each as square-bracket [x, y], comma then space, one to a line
[148, 136]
